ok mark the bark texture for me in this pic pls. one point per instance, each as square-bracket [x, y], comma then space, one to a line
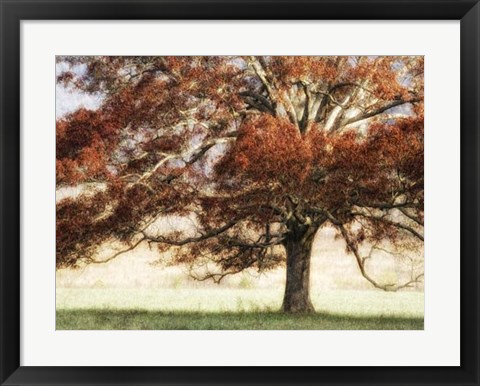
[297, 288]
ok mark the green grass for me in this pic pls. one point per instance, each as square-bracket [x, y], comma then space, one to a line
[233, 309]
[94, 319]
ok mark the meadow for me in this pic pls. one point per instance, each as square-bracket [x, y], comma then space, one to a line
[135, 292]
[233, 309]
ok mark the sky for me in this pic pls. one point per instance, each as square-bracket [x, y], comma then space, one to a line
[67, 99]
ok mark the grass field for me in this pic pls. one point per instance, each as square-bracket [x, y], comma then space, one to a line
[131, 292]
[233, 309]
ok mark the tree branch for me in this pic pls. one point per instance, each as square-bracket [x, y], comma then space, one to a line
[188, 157]
[361, 265]
[188, 240]
[411, 217]
[110, 258]
[393, 223]
[235, 242]
[378, 111]
[386, 205]
[258, 101]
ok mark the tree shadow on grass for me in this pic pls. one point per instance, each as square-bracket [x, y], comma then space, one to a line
[110, 319]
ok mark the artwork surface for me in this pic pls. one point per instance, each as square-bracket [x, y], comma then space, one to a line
[239, 192]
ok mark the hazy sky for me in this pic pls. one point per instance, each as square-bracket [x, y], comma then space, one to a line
[67, 99]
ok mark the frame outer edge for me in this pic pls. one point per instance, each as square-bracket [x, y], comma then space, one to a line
[12, 374]
[470, 191]
[9, 192]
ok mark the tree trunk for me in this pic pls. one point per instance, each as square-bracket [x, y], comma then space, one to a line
[297, 289]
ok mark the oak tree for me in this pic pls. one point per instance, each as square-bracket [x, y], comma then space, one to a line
[258, 153]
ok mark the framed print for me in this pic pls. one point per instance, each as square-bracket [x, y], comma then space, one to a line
[225, 192]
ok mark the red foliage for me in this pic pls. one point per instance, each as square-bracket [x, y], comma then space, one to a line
[287, 142]
[268, 150]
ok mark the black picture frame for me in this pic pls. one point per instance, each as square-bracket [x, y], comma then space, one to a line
[12, 12]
